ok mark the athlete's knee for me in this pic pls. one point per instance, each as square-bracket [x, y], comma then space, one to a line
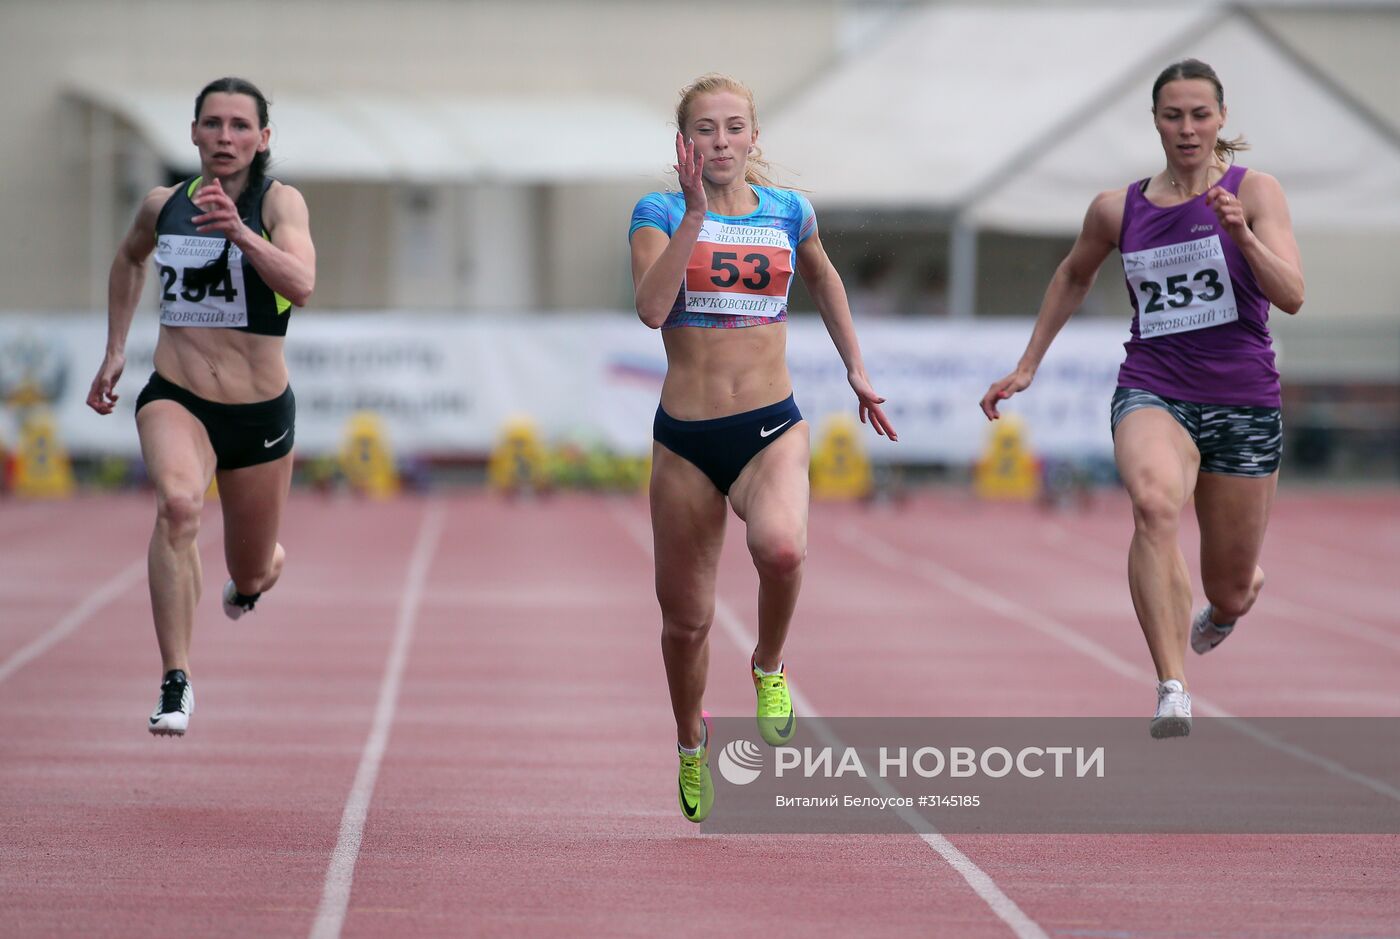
[1156, 510]
[1232, 596]
[251, 578]
[178, 512]
[686, 626]
[778, 556]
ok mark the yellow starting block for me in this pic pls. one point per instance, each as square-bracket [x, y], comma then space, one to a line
[42, 469]
[519, 461]
[365, 457]
[840, 469]
[1007, 471]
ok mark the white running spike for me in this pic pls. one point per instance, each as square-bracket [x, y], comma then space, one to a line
[1173, 717]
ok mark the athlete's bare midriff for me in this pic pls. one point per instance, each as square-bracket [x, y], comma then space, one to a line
[223, 365]
[717, 372]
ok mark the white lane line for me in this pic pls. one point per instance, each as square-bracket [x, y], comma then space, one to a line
[1091, 551]
[1021, 925]
[88, 607]
[340, 873]
[930, 571]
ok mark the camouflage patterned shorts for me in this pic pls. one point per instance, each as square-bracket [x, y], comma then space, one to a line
[1233, 440]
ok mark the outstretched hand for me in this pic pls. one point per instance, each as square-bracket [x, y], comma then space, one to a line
[1003, 389]
[690, 168]
[102, 396]
[870, 410]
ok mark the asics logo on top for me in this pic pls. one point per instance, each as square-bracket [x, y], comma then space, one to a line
[1200, 228]
[740, 762]
[276, 440]
[765, 432]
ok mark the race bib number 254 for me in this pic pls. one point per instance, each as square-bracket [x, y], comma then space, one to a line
[220, 303]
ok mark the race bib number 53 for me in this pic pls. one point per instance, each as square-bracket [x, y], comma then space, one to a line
[1181, 287]
[739, 269]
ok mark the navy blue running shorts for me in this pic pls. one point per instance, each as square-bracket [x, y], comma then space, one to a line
[723, 446]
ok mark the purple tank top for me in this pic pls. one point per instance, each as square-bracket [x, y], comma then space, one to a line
[1201, 324]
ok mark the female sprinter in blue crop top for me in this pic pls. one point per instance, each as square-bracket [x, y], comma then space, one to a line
[711, 266]
[234, 254]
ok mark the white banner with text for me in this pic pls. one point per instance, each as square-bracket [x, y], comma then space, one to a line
[444, 385]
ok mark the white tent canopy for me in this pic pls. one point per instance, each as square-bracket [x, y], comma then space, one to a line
[952, 97]
[1012, 117]
[1339, 170]
[411, 138]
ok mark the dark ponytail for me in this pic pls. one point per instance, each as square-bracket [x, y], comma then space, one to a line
[213, 272]
[257, 172]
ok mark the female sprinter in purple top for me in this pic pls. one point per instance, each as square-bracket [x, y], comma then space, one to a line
[1207, 246]
[233, 253]
[712, 265]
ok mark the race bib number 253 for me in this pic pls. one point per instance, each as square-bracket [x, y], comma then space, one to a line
[1181, 287]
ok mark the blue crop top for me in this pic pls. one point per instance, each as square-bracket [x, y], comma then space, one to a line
[741, 269]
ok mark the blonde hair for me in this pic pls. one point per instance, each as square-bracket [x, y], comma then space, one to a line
[757, 169]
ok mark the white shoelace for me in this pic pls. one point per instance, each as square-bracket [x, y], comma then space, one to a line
[1169, 701]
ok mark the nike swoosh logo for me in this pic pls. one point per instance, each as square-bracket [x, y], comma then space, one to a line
[689, 809]
[273, 443]
[784, 732]
[765, 432]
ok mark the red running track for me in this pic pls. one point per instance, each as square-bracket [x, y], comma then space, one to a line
[450, 719]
